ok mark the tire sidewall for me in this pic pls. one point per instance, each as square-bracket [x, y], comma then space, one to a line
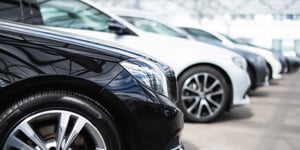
[215, 73]
[88, 108]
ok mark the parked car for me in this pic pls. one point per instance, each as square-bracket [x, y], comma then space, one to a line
[279, 56]
[275, 66]
[61, 91]
[287, 57]
[210, 79]
[256, 65]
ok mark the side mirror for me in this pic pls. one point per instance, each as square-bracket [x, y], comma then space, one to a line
[118, 28]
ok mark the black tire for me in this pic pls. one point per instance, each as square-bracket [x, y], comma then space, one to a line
[43, 110]
[270, 72]
[190, 100]
[251, 74]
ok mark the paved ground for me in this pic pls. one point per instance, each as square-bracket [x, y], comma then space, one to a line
[270, 122]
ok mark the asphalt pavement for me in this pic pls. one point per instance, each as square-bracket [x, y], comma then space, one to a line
[270, 122]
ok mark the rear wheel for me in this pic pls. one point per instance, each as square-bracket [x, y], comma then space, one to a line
[204, 94]
[58, 120]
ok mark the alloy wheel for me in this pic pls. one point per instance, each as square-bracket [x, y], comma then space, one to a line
[202, 95]
[55, 130]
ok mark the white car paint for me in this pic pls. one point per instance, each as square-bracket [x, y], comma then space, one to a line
[178, 53]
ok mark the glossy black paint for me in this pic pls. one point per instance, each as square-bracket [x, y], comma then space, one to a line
[34, 59]
[259, 69]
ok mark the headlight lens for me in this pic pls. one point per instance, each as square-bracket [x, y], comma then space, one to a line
[240, 62]
[148, 73]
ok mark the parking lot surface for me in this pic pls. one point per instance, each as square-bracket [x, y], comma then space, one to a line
[270, 122]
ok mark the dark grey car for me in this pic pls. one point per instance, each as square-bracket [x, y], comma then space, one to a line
[257, 66]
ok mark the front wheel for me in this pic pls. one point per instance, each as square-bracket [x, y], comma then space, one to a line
[58, 121]
[203, 92]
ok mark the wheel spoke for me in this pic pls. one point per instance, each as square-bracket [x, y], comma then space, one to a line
[208, 107]
[12, 141]
[209, 99]
[193, 105]
[219, 92]
[204, 93]
[197, 81]
[189, 97]
[30, 133]
[80, 123]
[62, 127]
[190, 89]
[69, 127]
[200, 107]
[213, 85]
[205, 81]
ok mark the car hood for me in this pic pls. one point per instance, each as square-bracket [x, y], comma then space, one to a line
[259, 51]
[176, 52]
[112, 48]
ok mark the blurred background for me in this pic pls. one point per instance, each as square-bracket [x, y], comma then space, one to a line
[272, 24]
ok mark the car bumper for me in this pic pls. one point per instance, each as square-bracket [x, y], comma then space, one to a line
[277, 69]
[241, 85]
[264, 82]
[153, 121]
[276, 76]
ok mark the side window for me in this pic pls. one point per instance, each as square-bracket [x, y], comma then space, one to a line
[72, 14]
[15, 10]
[152, 26]
[10, 10]
[203, 35]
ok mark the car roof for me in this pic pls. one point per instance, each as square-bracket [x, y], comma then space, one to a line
[142, 14]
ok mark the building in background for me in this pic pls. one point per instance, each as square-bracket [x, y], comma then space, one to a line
[268, 23]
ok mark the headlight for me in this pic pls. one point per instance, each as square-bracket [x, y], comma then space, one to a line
[240, 62]
[148, 73]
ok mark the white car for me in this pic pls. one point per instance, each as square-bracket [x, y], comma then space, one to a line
[211, 79]
[275, 67]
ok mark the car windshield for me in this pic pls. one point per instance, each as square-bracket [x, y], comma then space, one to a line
[201, 35]
[153, 26]
[231, 39]
[73, 14]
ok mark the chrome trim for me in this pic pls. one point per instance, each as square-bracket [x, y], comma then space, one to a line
[179, 147]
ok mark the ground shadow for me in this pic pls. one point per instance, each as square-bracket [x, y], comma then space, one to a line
[274, 83]
[258, 93]
[237, 113]
[189, 146]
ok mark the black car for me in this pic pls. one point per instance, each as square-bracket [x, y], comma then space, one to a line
[60, 92]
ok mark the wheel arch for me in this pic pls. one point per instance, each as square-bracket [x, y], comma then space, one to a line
[114, 106]
[270, 70]
[252, 74]
[222, 71]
